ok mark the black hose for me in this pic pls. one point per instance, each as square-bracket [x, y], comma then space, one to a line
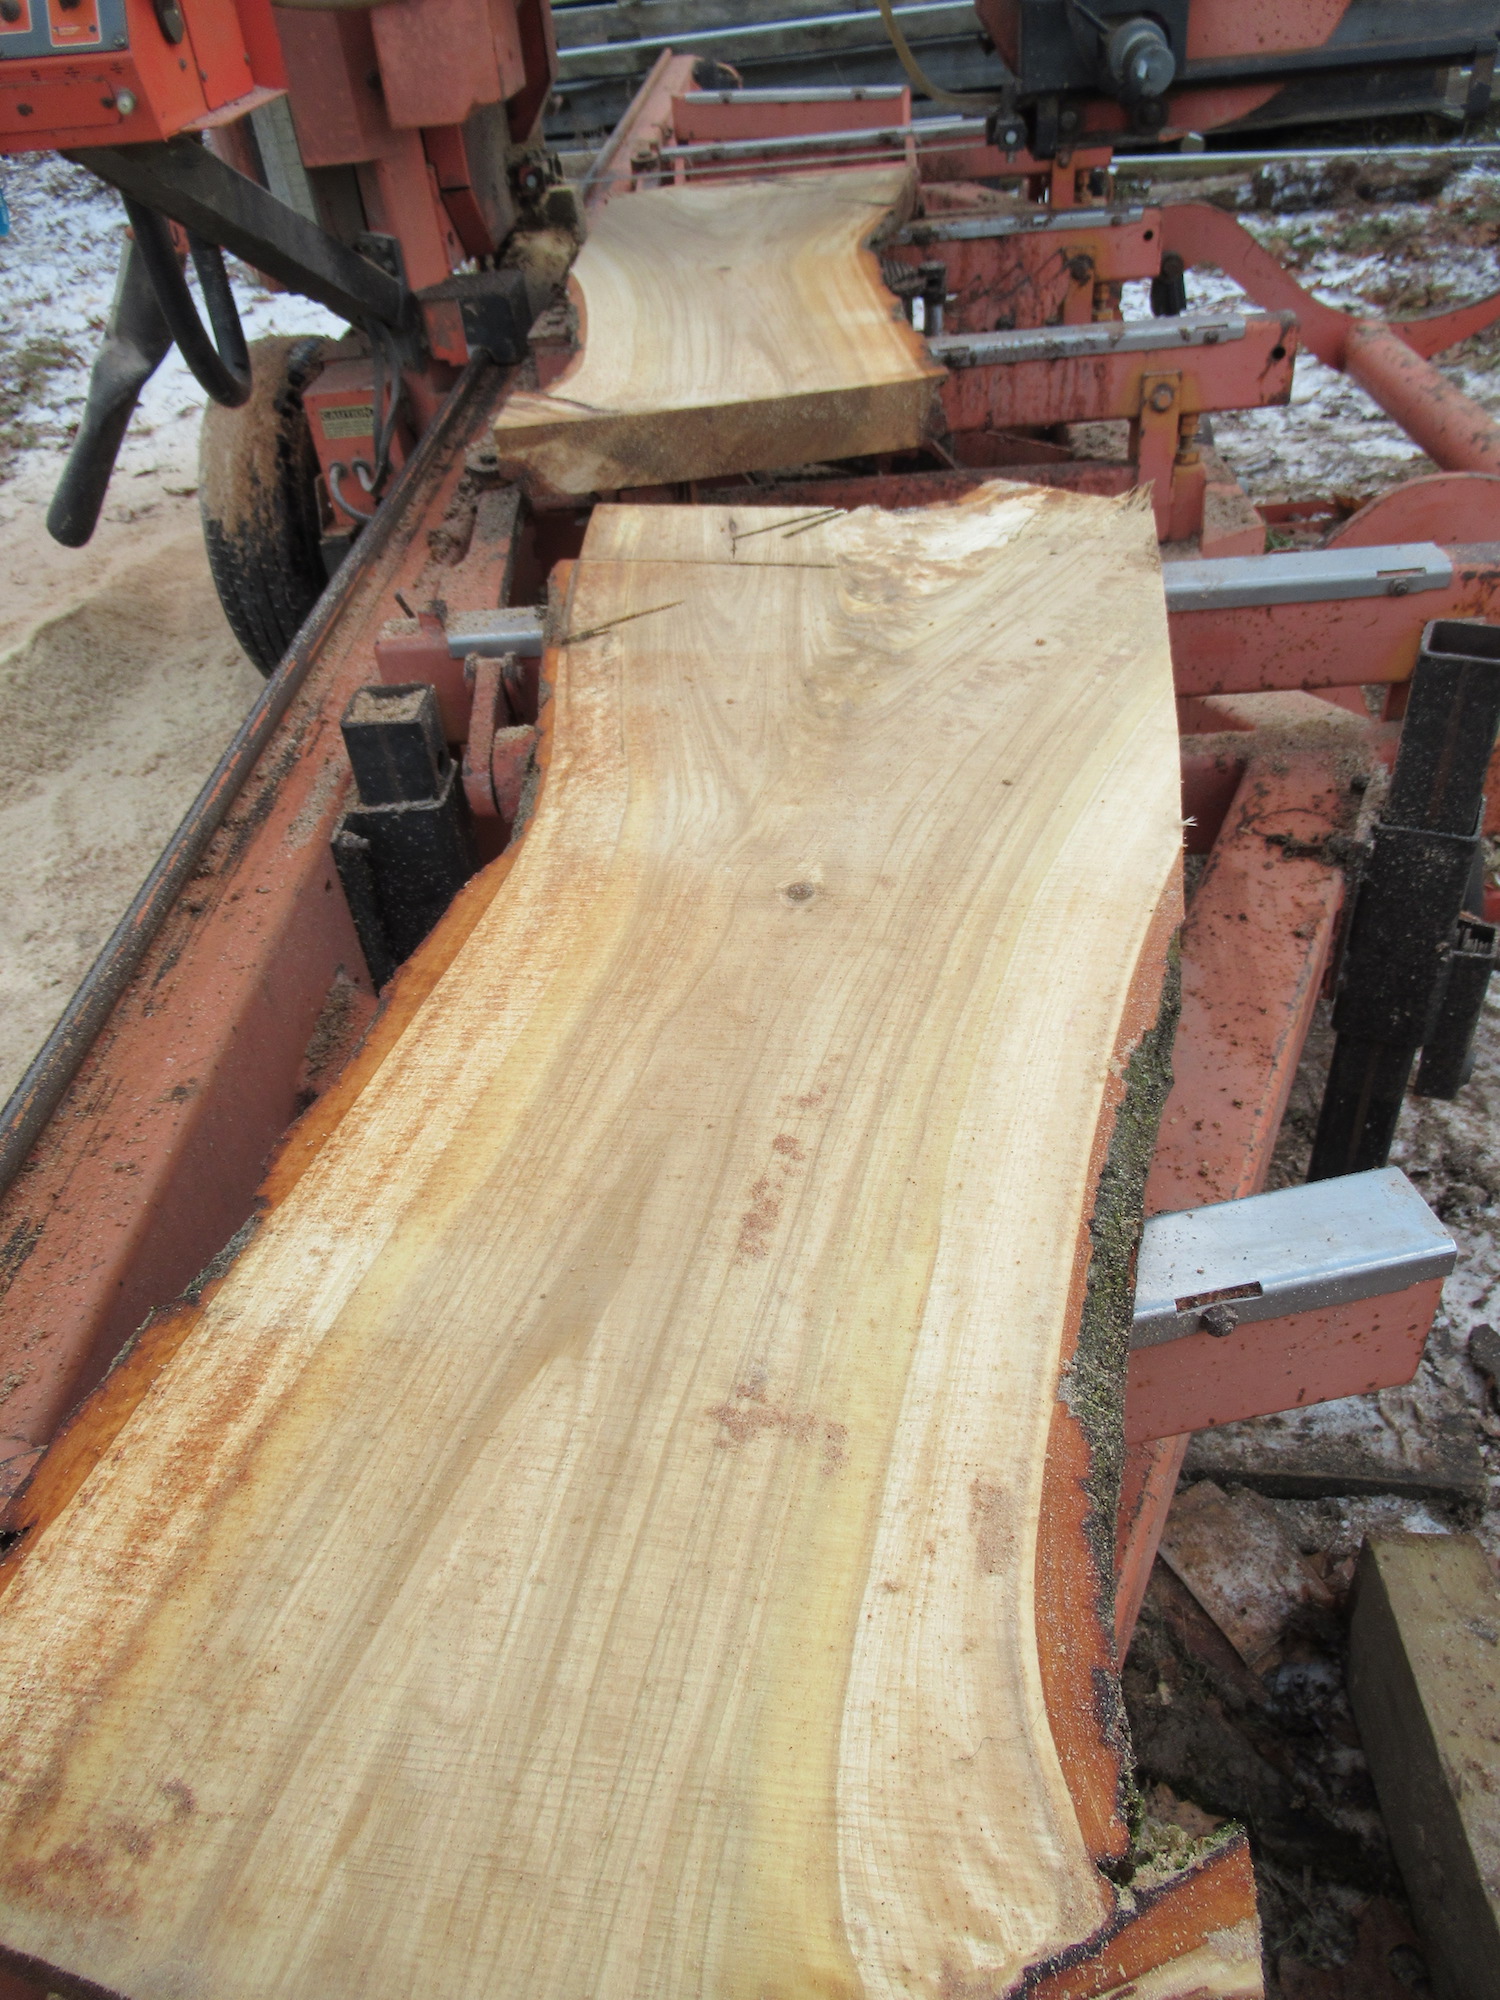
[221, 364]
[386, 359]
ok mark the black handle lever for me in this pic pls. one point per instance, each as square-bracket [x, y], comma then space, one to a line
[136, 341]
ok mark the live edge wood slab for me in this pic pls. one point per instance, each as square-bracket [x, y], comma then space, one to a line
[628, 1522]
[727, 328]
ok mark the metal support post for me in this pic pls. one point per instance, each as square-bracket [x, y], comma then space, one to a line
[405, 850]
[1402, 929]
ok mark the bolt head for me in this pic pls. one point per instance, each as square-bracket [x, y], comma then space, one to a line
[1219, 1320]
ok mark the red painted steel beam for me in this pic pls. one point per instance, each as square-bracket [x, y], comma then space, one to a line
[1342, 642]
[1388, 361]
[1202, 1380]
[1453, 430]
[1245, 374]
[646, 127]
[155, 1155]
[1029, 278]
[1254, 947]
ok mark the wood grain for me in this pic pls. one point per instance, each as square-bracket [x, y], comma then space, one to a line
[588, 1543]
[730, 327]
[1424, 1681]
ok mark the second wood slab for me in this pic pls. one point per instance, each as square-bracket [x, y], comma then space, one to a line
[728, 328]
[635, 1521]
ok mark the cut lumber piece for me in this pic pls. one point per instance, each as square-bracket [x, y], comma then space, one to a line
[629, 1521]
[727, 328]
[1424, 1682]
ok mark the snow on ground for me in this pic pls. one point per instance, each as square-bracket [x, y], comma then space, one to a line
[57, 277]
[1398, 258]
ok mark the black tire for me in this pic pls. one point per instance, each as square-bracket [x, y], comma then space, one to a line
[257, 492]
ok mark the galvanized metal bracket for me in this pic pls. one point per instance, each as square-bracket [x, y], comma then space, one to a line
[1314, 576]
[1079, 343]
[1298, 1249]
[491, 634]
[1032, 222]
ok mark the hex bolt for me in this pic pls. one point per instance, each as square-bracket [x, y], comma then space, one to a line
[1219, 1320]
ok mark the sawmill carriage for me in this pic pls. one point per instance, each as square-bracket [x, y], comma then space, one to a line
[406, 528]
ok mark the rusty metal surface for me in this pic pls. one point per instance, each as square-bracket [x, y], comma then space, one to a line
[1456, 506]
[1280, 1364]
[1031, 280]
[1245, 374]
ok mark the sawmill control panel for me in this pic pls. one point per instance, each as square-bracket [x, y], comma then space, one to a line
[83, 73]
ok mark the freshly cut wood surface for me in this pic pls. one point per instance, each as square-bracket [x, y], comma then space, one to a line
[589, 1543]
[728, 328]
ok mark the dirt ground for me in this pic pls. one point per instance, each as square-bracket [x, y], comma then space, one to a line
[121, 684]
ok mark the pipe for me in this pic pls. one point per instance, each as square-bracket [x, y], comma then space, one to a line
[1451, 428]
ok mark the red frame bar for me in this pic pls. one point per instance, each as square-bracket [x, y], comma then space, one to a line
[1254, 949]
[1246, 374]
[1341, 642]
[1201, 1381]
[154, 1158]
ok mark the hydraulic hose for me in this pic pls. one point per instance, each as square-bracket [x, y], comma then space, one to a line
[221, 363]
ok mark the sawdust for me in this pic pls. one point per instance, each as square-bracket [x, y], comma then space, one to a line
[117, 706]
[120, 680]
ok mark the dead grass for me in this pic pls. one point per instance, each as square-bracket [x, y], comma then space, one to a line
[27, 366]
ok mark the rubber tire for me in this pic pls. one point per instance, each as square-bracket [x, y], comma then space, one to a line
[257, 493]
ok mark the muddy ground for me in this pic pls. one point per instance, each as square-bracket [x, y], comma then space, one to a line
[121, 683]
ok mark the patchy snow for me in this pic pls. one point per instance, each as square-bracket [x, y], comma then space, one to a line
[57, 278]
[1401, 259]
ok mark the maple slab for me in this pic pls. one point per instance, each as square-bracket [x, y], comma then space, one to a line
[622, 1526]
[730, 327]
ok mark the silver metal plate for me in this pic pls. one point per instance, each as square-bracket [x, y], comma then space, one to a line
[825, 142]
[1028, 222]
[515, 629]
[1299, 1249]
[1076, 343]
[1225, 583]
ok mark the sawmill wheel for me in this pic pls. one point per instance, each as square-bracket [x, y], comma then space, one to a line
[257, 472]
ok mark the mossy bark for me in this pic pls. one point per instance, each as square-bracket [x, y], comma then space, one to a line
[1094, 1388]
